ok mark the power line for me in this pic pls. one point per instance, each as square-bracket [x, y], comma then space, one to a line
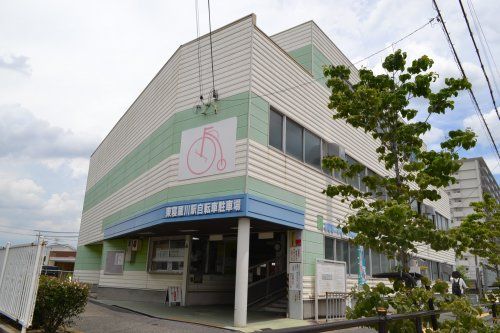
[313, 80]
[399, 40]
[214, 92]
[485, 45]
[200, 74]
[459, 64]
[479, 57]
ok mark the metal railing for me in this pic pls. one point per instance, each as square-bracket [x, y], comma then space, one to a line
[336, 305]
[266, 279]
[61, 275]
[381, 321]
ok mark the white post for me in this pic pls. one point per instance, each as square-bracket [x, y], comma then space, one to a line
[34, 283]
[241, 287]
[185, 271]
[4, 265]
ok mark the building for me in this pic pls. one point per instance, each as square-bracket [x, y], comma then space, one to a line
[225, 201]
[474, 179]
[62, 256]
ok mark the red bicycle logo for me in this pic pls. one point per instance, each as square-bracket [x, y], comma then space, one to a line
[203, 152]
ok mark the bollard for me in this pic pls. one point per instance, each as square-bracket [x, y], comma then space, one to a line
[382, 320]
[418, 325]
[434, 321]
[494, 311]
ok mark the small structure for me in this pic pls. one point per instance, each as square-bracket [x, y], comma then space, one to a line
[62, 256]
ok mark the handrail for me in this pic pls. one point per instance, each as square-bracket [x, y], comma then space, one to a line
[267, 278]
[382, 320]
[264, 263]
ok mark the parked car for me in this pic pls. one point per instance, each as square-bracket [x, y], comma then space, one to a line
[51, 271]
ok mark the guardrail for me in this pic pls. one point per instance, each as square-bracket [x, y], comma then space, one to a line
[380, 321]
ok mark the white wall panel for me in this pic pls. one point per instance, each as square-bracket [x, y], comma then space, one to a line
[176, 88]
[86, 276]
[162, 176]
[140, 280]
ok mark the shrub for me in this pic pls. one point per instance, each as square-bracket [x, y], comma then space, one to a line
[58, 302]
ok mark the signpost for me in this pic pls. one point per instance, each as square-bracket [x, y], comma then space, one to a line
[330, 277]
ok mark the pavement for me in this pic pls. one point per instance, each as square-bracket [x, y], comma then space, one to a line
[99, 317]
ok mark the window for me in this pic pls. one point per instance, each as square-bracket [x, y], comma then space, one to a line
[353, 259]
[167, 256]
[294, 138]
[354, 181]
[385, 263]
[276, 130]
[435, 270]
[114, 262]
[376, 265]
[342, 251]
[329, 248]
[312, 149]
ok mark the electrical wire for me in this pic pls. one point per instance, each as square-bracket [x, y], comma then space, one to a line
[214, 93]
[314, 79]
[459, 64]
[479, 57]
[485, 45]
[394, 43]
[200, 74]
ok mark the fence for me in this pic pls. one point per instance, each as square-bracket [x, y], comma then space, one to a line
[20, 268]
[336, 304]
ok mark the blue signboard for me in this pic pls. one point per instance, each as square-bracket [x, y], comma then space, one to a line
[239, 205]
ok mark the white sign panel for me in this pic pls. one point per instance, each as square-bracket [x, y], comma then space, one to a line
[208, 150]
[330, 276]
[294, 277]
[207, 208]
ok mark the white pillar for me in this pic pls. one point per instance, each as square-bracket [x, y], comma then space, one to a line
[241, 286]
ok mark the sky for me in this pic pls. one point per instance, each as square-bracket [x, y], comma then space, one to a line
[70, 69]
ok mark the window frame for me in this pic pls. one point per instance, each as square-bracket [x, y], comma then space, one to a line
[335, 175]
[151, 251]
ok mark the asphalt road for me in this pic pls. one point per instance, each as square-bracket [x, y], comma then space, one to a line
[99, 318]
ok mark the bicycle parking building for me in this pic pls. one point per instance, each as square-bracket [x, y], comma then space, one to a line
[221, 202]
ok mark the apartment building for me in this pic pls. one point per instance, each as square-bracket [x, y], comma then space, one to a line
[222, 200]
[474, 179]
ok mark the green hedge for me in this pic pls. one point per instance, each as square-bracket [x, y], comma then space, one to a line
[58, 302]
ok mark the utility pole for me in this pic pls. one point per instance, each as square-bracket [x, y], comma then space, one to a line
[479, 280]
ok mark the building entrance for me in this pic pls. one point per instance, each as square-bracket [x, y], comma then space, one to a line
[212, 269]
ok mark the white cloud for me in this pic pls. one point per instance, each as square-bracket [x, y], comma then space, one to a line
[433, 138]
[477, 126]
[15, 63]
[493, 164]
[23, 134]
[20, 193]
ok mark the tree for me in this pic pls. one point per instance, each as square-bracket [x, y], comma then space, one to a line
[384, 219]
[479, 232]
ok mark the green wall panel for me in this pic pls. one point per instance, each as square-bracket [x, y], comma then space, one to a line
[213, 188]
[275, 193]
[88, 257]
[303, 56]
[313, 248]
[164, 142]
[259, 120]
[140, 262]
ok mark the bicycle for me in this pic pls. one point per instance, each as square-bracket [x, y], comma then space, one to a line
[202, 153]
